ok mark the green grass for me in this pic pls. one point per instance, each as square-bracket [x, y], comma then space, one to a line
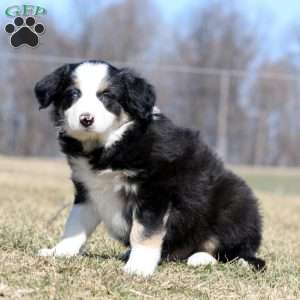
[280, 182]
[31, 192]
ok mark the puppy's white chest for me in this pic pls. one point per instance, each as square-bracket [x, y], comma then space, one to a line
[104, 192]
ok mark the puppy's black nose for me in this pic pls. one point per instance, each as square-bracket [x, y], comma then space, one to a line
[86, 119]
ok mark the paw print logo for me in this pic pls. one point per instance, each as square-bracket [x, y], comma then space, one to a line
[24, 33]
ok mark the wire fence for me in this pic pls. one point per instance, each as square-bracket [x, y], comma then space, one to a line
[248, 117]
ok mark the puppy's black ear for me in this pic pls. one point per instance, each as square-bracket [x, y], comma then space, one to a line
[140, 95]
[49, 88]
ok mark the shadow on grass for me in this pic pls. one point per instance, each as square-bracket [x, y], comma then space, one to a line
[103, 256]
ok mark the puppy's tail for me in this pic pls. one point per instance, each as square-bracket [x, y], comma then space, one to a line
[257, 263]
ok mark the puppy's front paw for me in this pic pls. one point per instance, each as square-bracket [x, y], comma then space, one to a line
[142, 261]
[46, 252]
[144, 269]
[58, 251]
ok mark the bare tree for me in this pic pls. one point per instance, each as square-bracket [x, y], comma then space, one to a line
[274, 105]
[121, 31]
[219, 38]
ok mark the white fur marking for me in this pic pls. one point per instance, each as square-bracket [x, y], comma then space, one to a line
[104, 204]
[90, 75]
[156, 113]
[130, 188]
[89, 78]
[145, 250]
[201, 259]
[116, 135]
[243, 263]
[102, 192]
[155, 110]
[81, 223]
[142, 261]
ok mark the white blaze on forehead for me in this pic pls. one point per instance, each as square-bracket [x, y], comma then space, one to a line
[91, 76]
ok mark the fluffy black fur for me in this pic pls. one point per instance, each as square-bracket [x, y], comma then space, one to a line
[176, 172]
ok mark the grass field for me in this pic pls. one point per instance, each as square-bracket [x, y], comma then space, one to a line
[31, 192]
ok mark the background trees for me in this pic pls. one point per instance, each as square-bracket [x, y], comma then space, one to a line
[211, 72]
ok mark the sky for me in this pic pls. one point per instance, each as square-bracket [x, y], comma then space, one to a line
[277, 15]
[283, 11]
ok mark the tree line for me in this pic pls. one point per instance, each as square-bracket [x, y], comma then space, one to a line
[213, 72]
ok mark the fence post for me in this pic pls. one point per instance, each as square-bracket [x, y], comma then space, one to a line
[222, 130]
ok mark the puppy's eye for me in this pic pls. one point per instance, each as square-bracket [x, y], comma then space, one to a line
[73, 94]
[105, 94]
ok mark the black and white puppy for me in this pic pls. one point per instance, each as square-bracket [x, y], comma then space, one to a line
[157, 188]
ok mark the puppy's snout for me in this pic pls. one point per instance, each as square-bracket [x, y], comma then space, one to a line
[86, 119]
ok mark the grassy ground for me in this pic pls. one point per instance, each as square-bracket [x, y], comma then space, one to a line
[31, 191]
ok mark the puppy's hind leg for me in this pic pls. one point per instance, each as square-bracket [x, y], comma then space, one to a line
[82, 221]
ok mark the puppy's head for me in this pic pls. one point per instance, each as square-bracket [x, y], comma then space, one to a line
[92, 99]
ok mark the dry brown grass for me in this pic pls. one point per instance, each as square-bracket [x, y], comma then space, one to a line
[33, 190]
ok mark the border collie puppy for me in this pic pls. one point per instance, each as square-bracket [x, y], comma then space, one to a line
[158, 188]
